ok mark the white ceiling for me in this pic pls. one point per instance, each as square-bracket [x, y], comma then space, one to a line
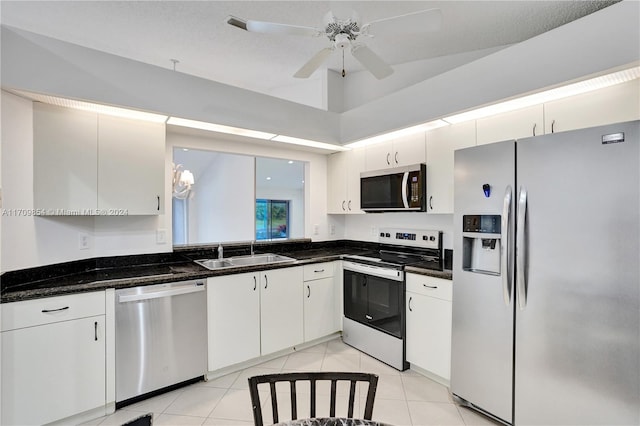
[195, 33]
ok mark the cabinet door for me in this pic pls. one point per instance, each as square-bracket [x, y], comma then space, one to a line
[355, 165]
[379, 156]
[518, 124]
[409, 150]
[337, 183]
[53, 371]
[65, 159]
[429, 333]
[613, 104]
[130, 166]
[319, 308]
[233, 317]
[281, 316]
[441, 143]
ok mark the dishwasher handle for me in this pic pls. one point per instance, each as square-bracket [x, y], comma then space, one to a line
[164, 292]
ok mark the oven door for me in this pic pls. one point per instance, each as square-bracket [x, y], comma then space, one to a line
[374, 296]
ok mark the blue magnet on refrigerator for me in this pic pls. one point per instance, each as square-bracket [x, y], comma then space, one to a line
[486, 188]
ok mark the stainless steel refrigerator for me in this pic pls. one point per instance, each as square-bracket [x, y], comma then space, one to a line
[546, 278]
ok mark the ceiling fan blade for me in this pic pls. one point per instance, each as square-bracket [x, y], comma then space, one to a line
[422, 20]
[313, 64]
[271, 27]
[372, 62]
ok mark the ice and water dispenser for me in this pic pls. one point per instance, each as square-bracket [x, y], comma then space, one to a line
[481, 244]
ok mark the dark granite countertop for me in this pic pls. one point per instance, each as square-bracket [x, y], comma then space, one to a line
[132, 271]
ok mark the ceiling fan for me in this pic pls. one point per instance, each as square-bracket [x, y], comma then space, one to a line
[345, 34]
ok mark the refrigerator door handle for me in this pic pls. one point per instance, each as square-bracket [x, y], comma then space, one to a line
[506, 247]
[521, 249]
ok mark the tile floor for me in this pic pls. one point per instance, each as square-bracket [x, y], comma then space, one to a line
[402, 398]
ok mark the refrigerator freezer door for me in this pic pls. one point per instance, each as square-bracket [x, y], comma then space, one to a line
[483, 309]
[577, 337]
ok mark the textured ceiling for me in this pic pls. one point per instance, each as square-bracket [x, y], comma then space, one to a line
[195, 32]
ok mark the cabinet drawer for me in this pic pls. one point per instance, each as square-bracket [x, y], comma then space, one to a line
[317, 271]
[429, 286]
[51, 309]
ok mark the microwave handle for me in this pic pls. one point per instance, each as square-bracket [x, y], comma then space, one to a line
[405, 190]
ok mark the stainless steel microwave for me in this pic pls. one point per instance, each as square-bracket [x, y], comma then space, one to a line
[398, 189]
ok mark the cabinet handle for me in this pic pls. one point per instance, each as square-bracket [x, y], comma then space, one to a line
[95, 331]
[388, 155]
[46, 311]
[266, 281]
[410, 298]
[319, 270]
[430, 202]
[343, 209]
[430, 286]
[349, 205]
[308, 292]
[255, 283]
[534, 128]
[396, 157]
[553, 123]
[158, 203]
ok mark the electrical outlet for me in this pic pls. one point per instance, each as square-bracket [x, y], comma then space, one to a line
[83, 241]
[316, 229]
[161, 236]
[374, 231]
[332, 229]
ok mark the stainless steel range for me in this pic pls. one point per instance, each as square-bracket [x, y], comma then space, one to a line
[374, 291]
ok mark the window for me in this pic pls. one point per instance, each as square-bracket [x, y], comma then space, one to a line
[272, 219]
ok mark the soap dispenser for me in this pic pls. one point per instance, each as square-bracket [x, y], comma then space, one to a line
[220, 251]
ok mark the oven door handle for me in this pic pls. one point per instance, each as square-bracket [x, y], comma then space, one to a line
[387, 273]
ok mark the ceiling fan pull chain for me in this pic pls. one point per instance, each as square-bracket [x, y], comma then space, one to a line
[343, 72]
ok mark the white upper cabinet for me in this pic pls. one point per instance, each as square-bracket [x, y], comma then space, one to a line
[93, 164]
[65, 157]
[511, 125]
[343, 182]
[396, 153]
[441, 143]
[614, 104]
[130, 166]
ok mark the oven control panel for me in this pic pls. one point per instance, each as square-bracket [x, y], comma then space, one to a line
[411, 237]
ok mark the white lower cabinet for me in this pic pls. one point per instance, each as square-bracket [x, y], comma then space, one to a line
[233, 316]
[428, 313]
[319, 301]
[253, 314]
[53, 358]
[281, 317]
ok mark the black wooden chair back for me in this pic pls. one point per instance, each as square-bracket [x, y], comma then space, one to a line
[313, 378]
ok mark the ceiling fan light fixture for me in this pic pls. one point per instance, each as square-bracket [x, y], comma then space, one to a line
[237, 22]
[342, 41]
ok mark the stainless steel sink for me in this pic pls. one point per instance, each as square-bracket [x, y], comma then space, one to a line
[259, 259]
[256, 259]
[214, 263]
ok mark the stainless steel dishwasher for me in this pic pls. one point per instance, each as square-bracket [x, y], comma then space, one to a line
[161, 337]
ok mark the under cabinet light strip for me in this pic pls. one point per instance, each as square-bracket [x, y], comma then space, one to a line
[398, 134]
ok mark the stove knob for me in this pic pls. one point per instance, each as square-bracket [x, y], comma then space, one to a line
[432, 238]
[388, 235]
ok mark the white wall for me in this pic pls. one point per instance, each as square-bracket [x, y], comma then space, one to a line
[365, 227]
[29, 241]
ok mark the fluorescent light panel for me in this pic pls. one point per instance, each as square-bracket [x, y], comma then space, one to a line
[97, 108]
[398, 134]
[306, 142]
[202, 125]
[547, 95]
